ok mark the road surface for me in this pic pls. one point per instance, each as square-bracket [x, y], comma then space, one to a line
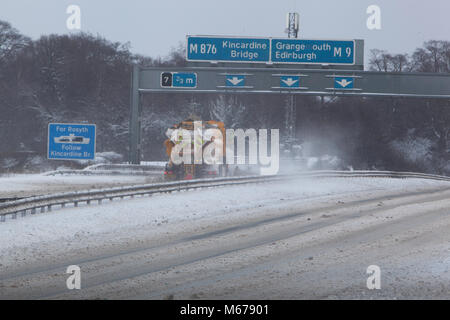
[304, 239]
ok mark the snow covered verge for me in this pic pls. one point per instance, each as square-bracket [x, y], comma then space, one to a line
[37, 184]
[31, 162]
[120, 224]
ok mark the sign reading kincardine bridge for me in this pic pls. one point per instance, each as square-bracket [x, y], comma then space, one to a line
[270, 50]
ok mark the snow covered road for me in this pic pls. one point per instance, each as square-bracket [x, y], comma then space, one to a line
[292, 240]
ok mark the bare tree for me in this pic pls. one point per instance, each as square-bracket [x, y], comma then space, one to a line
[433, 57]
[11, 41]
[381, 60]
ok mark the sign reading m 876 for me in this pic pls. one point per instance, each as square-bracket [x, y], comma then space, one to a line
[313, 51]
[228, 49]
[71, 141]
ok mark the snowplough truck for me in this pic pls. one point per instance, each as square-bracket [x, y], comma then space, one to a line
[193, 169]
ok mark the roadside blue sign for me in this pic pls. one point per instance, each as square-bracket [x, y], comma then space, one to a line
[313, 51]
[235, 81]
[344, 82]
[71, 141]
[289, 81]
[228, 49]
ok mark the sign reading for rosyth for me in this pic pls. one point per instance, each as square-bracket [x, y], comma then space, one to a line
[268, 50]
[71, 141]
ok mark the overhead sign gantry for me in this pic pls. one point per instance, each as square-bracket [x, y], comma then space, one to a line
[322, 82]
[277, 66]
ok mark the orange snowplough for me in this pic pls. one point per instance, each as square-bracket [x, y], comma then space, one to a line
[193, 170]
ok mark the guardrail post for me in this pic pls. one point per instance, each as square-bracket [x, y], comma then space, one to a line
[22, 207]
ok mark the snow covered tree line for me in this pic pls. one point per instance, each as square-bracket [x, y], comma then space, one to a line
[81, 77]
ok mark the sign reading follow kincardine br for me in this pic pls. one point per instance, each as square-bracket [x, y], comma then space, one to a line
[71, 141]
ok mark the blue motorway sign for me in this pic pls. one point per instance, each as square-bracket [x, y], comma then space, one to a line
[344, 82]
[313, 51]
[184, 80]
[289, 81]
[235, 80]
[178, 80]
[268, 50]
[228, 49]
[71, 141]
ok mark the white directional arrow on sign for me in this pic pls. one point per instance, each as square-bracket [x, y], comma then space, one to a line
[235, 80]
[289, 81]
[344, 83]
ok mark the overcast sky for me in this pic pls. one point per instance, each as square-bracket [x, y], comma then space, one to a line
[153, 26]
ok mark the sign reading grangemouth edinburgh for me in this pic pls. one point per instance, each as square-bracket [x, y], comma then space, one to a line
[71, 141]
[313, 51]
[268, 50]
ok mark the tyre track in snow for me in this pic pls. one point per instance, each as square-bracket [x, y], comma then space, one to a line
[223, 230]
[100, 273]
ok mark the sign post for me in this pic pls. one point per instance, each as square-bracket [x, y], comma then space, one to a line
[135, 119]
[292, 52]
[277, 66]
